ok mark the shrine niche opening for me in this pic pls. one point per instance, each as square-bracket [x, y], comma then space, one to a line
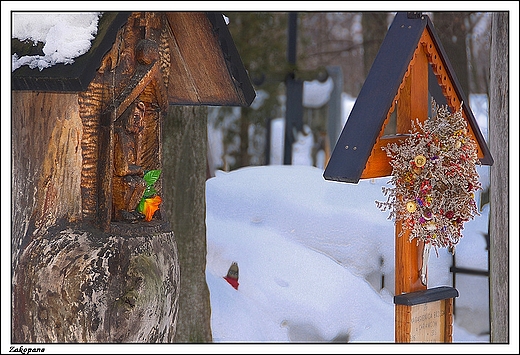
[130, 148]
[126, 140]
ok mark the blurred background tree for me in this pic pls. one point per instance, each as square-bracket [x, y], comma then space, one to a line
[453, 31]
[466, 38]
[261, 39]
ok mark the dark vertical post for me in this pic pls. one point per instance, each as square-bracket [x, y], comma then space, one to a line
[334, 123]
[292, 34]
[268, 123]
[294, 92]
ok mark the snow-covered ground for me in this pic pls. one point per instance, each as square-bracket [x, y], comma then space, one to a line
[316, 257]
[312, 255]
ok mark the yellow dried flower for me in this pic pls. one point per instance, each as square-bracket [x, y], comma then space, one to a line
[420, 160]
[411, 206]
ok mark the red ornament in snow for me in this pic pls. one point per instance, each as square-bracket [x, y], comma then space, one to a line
[232, 275]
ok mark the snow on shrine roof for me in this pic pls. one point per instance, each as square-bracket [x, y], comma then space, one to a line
[57, 37]
[58, 69]
[209, 71]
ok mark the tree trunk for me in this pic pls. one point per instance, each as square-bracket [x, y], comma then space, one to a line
[46, 156]
[184, 188]
[451, 28]
[375, 26]
[499, 189]
[71, 282]
[75, 285]
[243, 153]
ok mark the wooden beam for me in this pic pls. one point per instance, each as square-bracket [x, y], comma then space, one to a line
[413, 104]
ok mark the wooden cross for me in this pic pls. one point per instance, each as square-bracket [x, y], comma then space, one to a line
[409, 69]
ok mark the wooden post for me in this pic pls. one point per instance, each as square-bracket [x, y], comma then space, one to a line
[499, 227]
[413, 103]
[408, 261]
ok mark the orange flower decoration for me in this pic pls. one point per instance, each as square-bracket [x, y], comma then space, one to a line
[150, 206]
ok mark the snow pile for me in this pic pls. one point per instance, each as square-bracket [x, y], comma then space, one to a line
[316, 260]
[65, 36]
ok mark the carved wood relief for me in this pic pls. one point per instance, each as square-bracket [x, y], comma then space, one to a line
[121, 113]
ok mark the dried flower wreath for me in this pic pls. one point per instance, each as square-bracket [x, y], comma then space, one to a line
[435, 178]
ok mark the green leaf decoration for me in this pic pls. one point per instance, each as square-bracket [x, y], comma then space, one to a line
[149, 192]
[140, 206]
[151, 176]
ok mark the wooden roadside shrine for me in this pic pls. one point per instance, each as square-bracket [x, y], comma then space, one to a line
[409, 70]
[89, 264]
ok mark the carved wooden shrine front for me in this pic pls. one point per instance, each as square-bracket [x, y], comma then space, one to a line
[128, 182]
[123, 109]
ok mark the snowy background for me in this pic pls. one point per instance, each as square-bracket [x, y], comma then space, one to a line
[315, 257]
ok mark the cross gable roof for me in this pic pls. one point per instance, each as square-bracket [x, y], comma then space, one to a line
[377, 97]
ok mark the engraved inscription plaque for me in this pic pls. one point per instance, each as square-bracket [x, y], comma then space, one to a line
[425, 316]
[428, 322]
